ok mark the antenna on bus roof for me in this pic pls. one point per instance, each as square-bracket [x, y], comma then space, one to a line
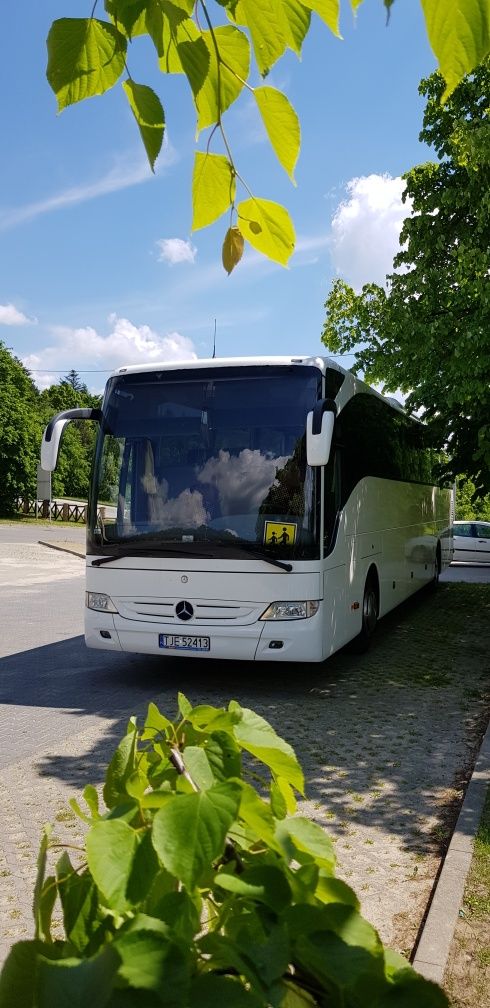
[214, 340]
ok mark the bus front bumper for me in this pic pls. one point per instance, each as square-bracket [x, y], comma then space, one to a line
[277, 640]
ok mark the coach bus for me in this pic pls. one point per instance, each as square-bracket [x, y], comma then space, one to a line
[267, 509]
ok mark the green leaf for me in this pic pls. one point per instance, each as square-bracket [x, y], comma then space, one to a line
[219, 90]
[79, 812]
[79, 902]
[277, 800]
[119, 771]
[328, 11]
[253, 732]
[459, 34]
[197, 764]
[337, 945]
[17, 978]
[194, 57]
[213, 188]
[296, 22]
[156, 724]
[38, 887]
[85, 58]
[92, 798]
[148, 112]
[223, 754]
[184, 706]
[189, 832]
[334, 890]
[295, 997]
[178, 29]
[264, 19]
[111, 847]
[47, 900]
[268, 227]
[301, 835]
[258, 817]
[282, 125]
[76, 983]
[265, 883]
[128, 15]
[209, 990]
[181, 913]
[149, 961]
[144, 869]
[288, 796]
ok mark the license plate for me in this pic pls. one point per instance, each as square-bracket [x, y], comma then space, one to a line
[182, 642]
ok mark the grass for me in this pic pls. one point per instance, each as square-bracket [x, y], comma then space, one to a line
[30, 520]
[468, 973]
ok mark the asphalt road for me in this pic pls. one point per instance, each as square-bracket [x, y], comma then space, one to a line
[385, 739]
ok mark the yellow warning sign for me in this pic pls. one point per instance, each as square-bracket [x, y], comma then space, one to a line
[279, 533]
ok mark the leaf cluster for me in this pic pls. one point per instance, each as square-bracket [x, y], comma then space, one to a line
[196, 886]
[428, 332]
[88, 56]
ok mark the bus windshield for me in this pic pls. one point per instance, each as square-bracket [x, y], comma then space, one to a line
[211, 459]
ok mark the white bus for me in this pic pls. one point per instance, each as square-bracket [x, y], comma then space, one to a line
[267, 509]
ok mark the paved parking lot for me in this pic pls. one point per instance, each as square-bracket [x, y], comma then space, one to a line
[386, 739]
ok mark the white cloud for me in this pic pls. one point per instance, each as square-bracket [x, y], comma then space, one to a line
[126, 171]
[10, 315]
[85, 350]
[176, 250]
[366, 228]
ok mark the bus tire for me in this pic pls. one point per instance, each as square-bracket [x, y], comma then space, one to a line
[437, 567]
[370, 610]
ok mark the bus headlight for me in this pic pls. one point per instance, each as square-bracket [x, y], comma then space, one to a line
[99, 602]
[290, 610]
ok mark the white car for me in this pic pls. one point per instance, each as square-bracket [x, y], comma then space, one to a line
[471, 541]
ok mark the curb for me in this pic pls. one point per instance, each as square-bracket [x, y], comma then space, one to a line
[432, 951]
[64, 548]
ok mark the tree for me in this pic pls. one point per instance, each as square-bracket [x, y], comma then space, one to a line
[20, 432]
[71, 477]
[428, 332]
[467, 508]
[73, 379]
[88, 56]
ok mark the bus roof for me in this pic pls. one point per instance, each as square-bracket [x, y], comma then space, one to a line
[349, 387]
[222, 362]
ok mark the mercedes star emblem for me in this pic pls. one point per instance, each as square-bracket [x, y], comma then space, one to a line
[184, 610]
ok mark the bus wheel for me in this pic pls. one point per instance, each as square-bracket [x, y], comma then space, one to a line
[437, 567]
[370, 609]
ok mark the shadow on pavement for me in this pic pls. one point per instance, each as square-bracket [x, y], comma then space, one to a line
[384, 738]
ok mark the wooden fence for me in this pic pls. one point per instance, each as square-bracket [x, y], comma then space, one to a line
[53, 510]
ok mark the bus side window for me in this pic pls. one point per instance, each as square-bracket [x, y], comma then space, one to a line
[332, 496]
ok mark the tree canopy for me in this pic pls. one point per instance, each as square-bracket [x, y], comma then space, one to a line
[428, 332]
[88, 56]
[20, 432]
[24, 412]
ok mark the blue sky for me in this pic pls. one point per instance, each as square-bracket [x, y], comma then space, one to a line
[98, 266]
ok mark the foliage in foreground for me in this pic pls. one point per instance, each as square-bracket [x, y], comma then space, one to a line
[196, 887]
[88, 56]
[428, 333]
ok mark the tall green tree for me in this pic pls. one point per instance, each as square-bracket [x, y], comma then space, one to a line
[428, 332]
[71, 477]
[88, 56]
[20, 432]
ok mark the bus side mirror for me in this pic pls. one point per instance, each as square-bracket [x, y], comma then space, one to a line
[52, 435]
[319, 432]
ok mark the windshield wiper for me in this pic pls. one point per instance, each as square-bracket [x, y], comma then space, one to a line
[151, 553]
[260, 556]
